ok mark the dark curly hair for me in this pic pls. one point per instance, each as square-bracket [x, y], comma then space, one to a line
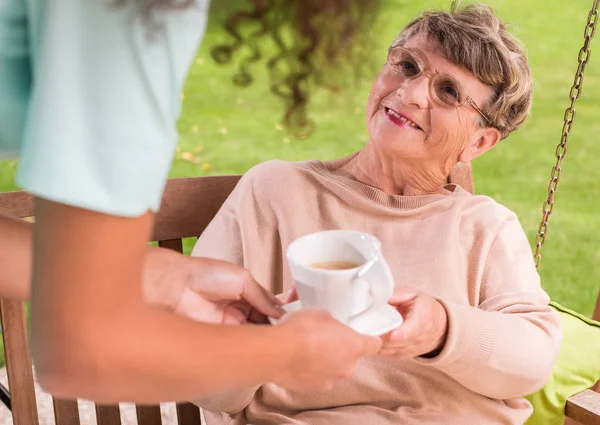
[315, 43]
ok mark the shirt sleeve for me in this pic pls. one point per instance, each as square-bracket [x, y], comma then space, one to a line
[100, 130]
[512, 337]
[15, 76]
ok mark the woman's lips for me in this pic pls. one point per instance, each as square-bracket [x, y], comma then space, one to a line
[399, 119]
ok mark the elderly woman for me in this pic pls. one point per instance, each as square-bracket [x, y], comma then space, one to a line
[478, 332]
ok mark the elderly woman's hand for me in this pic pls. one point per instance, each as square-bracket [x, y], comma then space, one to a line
[423, 332]
[206, 290]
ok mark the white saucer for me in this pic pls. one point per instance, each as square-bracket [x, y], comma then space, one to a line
[376, 323]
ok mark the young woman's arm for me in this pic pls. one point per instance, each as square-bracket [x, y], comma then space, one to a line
[167, 274]
[95, 337]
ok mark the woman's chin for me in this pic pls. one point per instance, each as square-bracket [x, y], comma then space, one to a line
[397, 141]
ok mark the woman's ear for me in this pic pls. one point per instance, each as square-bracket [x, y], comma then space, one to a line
[483, 140]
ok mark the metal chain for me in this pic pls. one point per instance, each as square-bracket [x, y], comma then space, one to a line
[561, 149]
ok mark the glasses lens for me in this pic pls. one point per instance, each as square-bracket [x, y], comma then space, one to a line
[446, 91]
[403, 62]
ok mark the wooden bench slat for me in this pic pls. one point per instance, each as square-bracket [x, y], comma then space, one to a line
[204, 196]
[108, 414]
[66, 412]
[584, 408]
[148, 415]
[18, 362]
[188, 414]
[17, 204]
[189, 204]
[174, 244]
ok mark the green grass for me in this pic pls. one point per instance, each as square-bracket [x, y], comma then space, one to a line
[231, 129]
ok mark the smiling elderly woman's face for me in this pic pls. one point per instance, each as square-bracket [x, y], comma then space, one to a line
[423, 106]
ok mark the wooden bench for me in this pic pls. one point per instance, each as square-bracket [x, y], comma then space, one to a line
[188, 206]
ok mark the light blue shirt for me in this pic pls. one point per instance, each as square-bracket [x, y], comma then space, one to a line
[90, 96]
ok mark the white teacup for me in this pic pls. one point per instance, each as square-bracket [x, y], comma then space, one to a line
[363, 283]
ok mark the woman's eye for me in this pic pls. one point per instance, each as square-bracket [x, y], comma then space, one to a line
[451, 91]
[409, 68]
[448, 93]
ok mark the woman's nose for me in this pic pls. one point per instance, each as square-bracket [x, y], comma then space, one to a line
[415, 92]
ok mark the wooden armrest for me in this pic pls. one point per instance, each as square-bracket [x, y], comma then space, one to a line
[584, 408]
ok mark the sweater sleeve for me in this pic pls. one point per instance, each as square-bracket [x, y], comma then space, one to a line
[506, 346]
[242, 233]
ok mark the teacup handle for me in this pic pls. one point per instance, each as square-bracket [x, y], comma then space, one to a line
[379, 292]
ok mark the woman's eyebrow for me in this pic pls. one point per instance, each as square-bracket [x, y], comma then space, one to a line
[416, 50]
[421, 54]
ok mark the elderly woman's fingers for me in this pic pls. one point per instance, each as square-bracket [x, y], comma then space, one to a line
[423, 330]
[403, 333]
[262, 300]
[402, 296]
[399, 353]
[411, 324]
[390, 352]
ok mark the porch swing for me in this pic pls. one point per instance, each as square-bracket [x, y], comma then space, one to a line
[177, 220]
[584, 407]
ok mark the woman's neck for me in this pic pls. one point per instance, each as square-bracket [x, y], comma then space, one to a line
[393, 177]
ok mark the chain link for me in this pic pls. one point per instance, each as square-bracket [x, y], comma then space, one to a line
[561, 149]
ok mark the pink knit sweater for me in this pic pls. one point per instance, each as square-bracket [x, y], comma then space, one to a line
[466, 250]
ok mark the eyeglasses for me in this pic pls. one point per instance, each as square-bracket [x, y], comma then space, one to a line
[443, 89]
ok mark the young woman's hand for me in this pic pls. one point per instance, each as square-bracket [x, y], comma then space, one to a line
[324, 350]
[206, 290]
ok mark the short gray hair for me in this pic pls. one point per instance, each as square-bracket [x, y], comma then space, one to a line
[473, 37]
